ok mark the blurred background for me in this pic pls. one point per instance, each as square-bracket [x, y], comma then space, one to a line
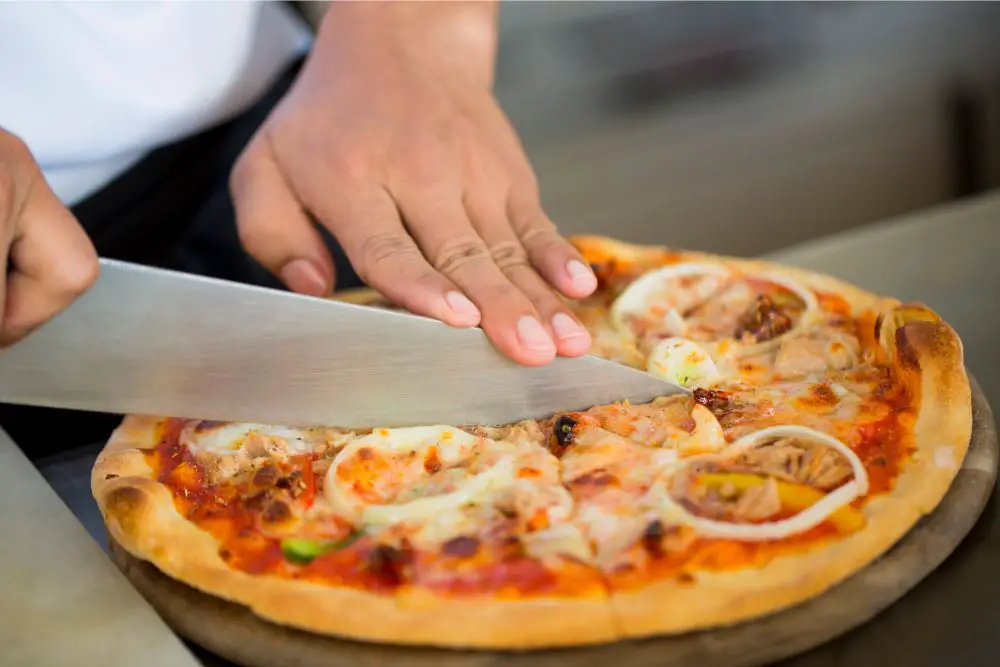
[741, 127]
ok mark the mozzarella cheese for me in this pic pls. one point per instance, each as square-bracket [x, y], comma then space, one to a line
[475, 490]
[707, 436]
[562, 539]
[612, 524]
[451, 441]
[228, 438]
[682, 362]
[471, 473]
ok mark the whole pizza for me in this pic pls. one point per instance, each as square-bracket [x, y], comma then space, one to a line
[822, 422]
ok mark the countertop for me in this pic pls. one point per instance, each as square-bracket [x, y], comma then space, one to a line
[62, 602]
[948, 258]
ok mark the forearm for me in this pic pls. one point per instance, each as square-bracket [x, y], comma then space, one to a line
[462, 35]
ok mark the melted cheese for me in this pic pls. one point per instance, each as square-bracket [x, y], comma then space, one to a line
[666, 423]
[612, 525]
[475, 490]
[682, 362]
[229, 438]
[796, 402]
[471, 476]
[559, 540]
[610, 476]
[707, 436]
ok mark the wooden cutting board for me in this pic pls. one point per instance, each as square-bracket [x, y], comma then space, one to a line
[233, 632]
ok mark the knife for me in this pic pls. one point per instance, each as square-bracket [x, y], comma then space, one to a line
[157, 342]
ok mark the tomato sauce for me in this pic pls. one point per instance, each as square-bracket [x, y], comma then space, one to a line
[231, 514]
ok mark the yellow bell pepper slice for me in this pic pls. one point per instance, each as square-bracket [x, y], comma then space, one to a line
[795, 497]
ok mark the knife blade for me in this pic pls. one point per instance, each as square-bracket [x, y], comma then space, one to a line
[157, 342]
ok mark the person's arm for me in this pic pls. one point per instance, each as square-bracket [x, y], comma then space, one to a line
[392, 139]
[49, 258]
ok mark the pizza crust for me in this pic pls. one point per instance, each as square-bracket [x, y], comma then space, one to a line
[931, 355]
[141, 517]
[713, 599]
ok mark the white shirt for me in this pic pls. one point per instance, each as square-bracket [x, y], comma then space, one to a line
[92, 87]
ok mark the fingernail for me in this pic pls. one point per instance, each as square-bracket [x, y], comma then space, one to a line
[566, 327]
[533, 335]
[460, 304]
[581, 275]
[304, 277]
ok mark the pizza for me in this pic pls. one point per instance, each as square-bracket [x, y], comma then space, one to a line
[820, 424]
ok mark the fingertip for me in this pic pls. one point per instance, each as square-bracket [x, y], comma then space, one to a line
[534, 343]
[508, 341]
[432, 296]
[580, 281]
[305, 277]
[572, 338]
[566, 272]
[273, 226]
[460, 311]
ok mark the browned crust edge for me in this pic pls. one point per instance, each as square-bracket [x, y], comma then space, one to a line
[141, 516]
[921, 345]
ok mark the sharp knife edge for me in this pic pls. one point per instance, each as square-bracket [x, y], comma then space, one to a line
[150, 341]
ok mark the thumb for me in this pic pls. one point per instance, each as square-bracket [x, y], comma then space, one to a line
[273, 227]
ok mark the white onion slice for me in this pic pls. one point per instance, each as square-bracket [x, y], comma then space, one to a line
[441, 512]
[476, 489]
[805, 520]
[635, 298]
[453, 445]
[810, 309]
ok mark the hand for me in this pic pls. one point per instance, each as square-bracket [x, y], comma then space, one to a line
[50, 260]
[392, 139]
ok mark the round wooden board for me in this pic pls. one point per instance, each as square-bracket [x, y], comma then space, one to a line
[233, 632]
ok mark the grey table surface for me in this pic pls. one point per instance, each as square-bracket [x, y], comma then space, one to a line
[62, 601]
[948, 258]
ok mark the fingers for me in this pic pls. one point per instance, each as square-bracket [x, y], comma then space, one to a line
[52, 262]
[369, 228]
[273, 227]
[556, 260]
[508, 254]
[442, 229]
